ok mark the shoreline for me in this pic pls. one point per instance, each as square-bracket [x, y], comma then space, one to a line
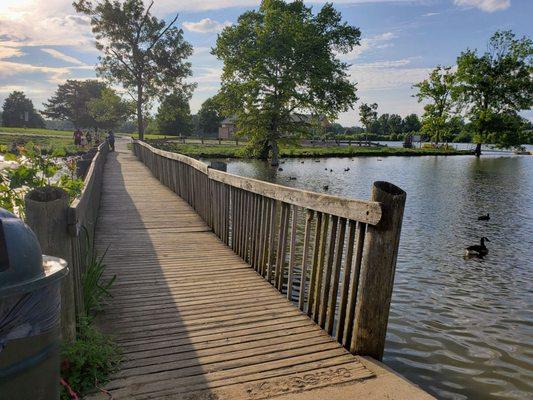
[234, 152]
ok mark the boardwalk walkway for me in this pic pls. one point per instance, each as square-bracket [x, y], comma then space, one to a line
[196, 322]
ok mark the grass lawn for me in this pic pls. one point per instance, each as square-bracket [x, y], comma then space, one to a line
[48, 143]
[232, 151]
[35, 131]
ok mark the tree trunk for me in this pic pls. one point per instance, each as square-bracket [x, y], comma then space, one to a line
[275, 153]
[478, 150]
[140, 122]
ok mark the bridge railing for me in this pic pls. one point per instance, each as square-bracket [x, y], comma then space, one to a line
[334, 257]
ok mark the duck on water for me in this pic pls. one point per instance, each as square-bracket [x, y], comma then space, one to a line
[478, 250]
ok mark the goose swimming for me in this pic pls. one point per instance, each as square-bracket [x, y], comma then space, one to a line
[484, 217]
[478, 250]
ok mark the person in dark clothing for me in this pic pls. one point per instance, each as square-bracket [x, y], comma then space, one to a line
[111, 140]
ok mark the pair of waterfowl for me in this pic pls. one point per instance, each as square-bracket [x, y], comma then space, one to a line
[480, 250]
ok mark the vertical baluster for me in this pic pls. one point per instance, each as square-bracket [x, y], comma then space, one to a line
[282, 238]
[263, 234]
[346, 274]
[326, 276]
[305, 256]
[314, 266]
[335, 276]
[320, 267]
[271, 239]
[354, 284]
[292, 250]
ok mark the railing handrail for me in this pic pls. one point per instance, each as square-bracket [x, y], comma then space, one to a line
[369, 212]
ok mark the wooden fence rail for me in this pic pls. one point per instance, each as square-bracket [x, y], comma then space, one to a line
[334, 257]
[67, 231]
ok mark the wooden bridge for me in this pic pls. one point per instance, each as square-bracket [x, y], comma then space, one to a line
[230, 288]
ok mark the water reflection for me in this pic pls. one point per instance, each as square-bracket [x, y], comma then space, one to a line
[459, 328]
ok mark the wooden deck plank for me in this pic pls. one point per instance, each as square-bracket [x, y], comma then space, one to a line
[189, 314]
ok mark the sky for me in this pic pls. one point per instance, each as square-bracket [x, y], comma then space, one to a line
[44, 43]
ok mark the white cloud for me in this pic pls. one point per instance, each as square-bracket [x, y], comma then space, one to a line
[373, 42]
[485, 5]
[431, 14]
[8, 52]
[387, 74]
[206, 25]
[62, 56]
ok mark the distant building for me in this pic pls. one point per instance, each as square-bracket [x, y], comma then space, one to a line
[315, 123]
[227, 128]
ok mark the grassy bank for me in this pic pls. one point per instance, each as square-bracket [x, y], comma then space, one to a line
[232, 151]
[49, 144]
[34, 131]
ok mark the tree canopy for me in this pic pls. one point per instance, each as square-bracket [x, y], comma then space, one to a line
[210, 116]
[283, 59]
[144, 54]
[437, 91]
[70, 102]
[109, 110]
[174, 115]
[18, 111]
[494, 86]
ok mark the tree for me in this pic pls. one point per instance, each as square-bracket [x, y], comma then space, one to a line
[411, 123]
[109, 110]
[174, 115]
[494, 86]
[437, 89]
[142, 53]
[70, 102]
[209, 116]
[368, 115]
[395, 124]
[281, 60]
[18, 111]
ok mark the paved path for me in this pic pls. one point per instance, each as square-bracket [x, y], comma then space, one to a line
[196, 322]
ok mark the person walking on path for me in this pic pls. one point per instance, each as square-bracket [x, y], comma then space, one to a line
[89, 138]
[111, 140]
[77, 137]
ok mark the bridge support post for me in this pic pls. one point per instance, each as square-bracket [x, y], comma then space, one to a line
[47, 215]
[377, 273]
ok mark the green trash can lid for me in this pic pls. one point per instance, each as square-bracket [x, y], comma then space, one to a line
[23, 268]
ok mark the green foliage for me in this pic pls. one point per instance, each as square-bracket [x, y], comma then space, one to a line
[174, 115]
[34, 169]
[95, 289]
[109, 110]
[437, 90]
[139, 51]
[17, 107]
[282, 59]
[368, 114]
[494, 86]
[210, 116]
[70, 102]
[89, 360]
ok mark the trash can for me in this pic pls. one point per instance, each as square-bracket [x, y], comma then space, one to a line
[29, 314]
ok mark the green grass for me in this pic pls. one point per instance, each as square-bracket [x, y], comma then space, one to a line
[35, 131]
[48, 143]
[232, 151]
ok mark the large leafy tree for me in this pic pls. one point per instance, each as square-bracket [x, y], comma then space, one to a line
[411, 123]
[144, 54]
[174, 115]
[109, 110]
[18, 111]
[70, 102]
[280, 60]
[437, 91]
[209, 115]
[368, 115]
[494, 86]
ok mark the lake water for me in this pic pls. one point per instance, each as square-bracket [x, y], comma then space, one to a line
[461, 329]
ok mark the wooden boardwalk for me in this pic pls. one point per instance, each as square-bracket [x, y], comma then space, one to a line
[193, 319]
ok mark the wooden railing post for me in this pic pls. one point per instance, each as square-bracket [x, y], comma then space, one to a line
[46, 214]
[377, 273]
